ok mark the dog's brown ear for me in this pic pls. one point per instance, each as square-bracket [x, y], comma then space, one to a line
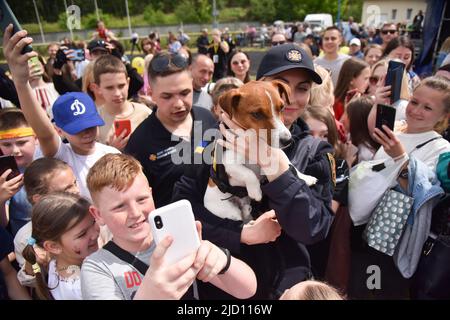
[283, 90]
[229, 101]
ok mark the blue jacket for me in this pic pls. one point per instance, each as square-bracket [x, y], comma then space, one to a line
[425, 189]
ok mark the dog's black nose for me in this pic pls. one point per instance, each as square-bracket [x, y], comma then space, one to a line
[284, 143]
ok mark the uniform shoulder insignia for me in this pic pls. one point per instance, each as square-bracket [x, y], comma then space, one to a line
[332, 163]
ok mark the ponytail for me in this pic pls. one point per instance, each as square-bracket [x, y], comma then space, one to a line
[42, 289]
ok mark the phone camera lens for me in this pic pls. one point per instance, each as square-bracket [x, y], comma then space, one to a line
[158, 222]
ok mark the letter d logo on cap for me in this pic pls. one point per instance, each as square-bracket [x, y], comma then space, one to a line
[78, 106]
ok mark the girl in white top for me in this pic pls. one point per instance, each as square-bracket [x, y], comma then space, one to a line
[63, 227]
[426, 114]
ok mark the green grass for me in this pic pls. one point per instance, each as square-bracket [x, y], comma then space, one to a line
[46, 26]
[233, 14]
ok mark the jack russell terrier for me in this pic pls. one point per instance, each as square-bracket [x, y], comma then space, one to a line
[233, 184]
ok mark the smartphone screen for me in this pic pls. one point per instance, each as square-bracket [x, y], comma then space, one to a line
[35, 65]
[122, 125]
[385, 116]
[8, 162]
[75, 55]
[79, 55]
[394, 79]
[7, 17]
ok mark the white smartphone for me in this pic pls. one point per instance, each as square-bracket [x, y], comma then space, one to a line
[176, 220]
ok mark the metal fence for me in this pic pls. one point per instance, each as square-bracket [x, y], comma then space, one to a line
[123, 33]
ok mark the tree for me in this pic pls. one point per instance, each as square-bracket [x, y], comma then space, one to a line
[154, 16]
[194, 11]
[263, 10]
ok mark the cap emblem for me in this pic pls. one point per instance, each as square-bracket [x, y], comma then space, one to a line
[78, 107]
[294, 56]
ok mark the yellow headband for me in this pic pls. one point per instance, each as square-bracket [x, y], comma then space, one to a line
[16, 133]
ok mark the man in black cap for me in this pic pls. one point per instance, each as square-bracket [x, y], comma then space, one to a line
[97, 48]
[303, 214]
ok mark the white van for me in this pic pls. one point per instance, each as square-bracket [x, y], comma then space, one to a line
[320, 20]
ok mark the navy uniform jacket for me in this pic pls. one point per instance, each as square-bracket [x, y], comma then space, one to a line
[153, 146]
[304, 214]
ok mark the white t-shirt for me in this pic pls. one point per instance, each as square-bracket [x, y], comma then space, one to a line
[333, 65]
[366, 187]
[81, 164]
[80, 66]
[428, 154]
[365, 153]
[64, 288]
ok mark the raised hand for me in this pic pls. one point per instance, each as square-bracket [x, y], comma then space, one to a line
[391, 144]
[8, 188]
[119, 142]
[12, 48]
[164, 282]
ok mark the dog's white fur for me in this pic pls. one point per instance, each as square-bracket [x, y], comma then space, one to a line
[224, 205]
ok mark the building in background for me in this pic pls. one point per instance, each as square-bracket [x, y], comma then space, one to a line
[374, 13]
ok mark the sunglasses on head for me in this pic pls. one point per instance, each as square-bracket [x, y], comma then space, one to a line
[99, 43]
[388, 31]
[374, 80]
[162, 63]
[277, 43]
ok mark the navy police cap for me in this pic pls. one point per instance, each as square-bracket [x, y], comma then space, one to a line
[285, 57]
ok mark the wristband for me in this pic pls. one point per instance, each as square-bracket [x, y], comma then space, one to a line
[404, 155]
[227, 265]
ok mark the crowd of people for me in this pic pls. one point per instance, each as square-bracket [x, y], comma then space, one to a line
[74, 217]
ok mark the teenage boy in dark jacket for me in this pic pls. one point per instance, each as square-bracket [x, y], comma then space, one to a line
[291, 214]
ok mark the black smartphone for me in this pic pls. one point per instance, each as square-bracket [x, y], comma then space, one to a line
[385, 116]
[7, 17]
[8, 162]
[394, 79]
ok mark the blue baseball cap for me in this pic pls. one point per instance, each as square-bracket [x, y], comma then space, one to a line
[74, 112]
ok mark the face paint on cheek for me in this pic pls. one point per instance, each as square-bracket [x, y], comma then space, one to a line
[77, 250]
